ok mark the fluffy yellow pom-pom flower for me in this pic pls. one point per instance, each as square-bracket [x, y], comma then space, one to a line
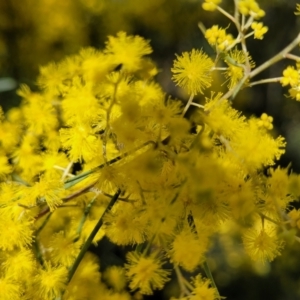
[145, 272]
[263, 244]
[191, 71]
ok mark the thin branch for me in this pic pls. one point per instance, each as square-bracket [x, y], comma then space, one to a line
[236, 10]
[279, 56]
[188, 104]
[120, 198]
[209, 275]
[230, 17]
[262, 81]
[79, 192]
[89, 240]
[74, 180]
[248, 23]
[17, 178]
[108, 112]
[269, 219]
[83, 219]
[35, 244]
[293, 57]
[219, 69]
[202, 28]
[181, 282]
[63, 169]
[197, 105]
[66, 171]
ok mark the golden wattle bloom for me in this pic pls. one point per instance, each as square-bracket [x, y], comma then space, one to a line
[145, 272]
[192, 71]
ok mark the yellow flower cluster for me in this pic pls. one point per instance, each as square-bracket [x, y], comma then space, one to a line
[210, 5]
[262, 244]
[192, 71]
[99, 150]
[145, 273]
[218, 38]
[250, 7]
[266, 121]
[291, 78]
[259, 30]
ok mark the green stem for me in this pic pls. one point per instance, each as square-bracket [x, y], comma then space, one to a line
[233, 62]
[76, 179]
[80, 192]
[279, 56]
[83, 219]
[247, 67]
[43, 225]
[209, 275]
[35, 244]
[37, 252]
[269, 219]
[89, 241]
[17, 178]
[232, 93]
[104, 140]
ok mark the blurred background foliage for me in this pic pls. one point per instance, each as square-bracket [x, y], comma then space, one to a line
[33, 33]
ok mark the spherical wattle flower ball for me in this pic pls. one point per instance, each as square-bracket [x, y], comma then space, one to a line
[192, 71]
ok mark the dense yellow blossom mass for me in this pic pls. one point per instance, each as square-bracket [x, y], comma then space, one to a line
[99, 150]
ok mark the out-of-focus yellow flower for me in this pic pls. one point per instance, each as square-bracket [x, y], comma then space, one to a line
[145, 272]
[262, 244]
[294, 216]
[250, 7]
[50, 281]
[5, 168]
[203, 290]
[19, 263]
[127, 50]
[115, 277]
[15, 232]
[9, 288]
[297, 13]
[187, 250]
[210, 5]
